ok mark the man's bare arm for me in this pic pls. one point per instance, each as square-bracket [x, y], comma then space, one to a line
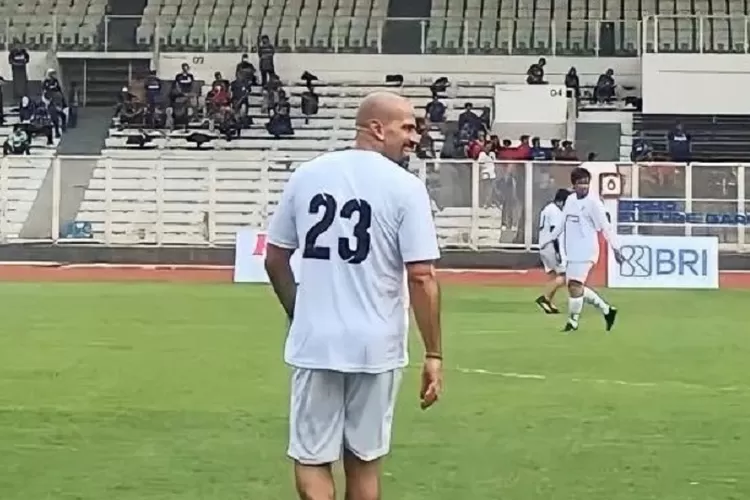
[424, 292]
[279, 269]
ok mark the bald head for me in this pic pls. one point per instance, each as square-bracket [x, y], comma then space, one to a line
[381, 106]
[385, 123]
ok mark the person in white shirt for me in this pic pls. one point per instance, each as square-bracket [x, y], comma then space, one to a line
[550, 252]
[364, 226]
[584, 217]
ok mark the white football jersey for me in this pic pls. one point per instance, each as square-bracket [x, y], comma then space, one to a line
[357, 218]
[550, 218]
[584, 218]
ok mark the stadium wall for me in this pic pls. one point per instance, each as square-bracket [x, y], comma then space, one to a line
[224, 256]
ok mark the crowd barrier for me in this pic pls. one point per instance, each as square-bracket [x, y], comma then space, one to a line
[207, 199]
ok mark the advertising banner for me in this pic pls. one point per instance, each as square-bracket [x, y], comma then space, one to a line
[665, 262]
[250, 254]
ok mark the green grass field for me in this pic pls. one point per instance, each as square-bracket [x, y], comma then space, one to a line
[135, 391]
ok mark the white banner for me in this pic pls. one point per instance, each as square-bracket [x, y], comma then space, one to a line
[249, 258]
[665, 262]
[531, 103]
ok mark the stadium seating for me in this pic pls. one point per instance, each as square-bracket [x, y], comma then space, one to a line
[39, 145]
[228, 24]
[714, 138]
[32, 23]
[568, 27]
[332, 128]
[20, 180]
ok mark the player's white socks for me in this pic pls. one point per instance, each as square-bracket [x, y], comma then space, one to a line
[575, 306]
[595, 300]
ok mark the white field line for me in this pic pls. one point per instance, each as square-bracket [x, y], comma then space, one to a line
[663, 384]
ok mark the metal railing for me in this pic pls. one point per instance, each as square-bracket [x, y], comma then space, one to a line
[204, 201]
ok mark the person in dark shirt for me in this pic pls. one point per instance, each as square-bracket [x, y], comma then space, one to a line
[25, 110]
[183, 81]
[538, 153]
[605, 87]
[435, 110]
[246, 70]
[572, 83]
[567, 153]
[2, 113]
[153, 87]
[52, 90]
[468, 118]
[679, 143]
[535, 73]
[18, 58]
[266, 53]
[640, 150]
[240, 91]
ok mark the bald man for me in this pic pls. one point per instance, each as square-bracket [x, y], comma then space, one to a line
[364, 226]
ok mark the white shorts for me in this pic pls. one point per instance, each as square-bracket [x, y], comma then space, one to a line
[550, 260]
[332, 411]
[578, 271]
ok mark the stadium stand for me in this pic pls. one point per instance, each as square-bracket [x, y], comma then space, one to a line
[714, 138]
[32, 23]
[20, 182]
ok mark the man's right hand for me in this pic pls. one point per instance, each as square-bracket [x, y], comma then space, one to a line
[432, 382]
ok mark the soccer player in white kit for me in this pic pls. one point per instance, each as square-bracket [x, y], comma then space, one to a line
[364, 226]
[550, 252]
[584, 217]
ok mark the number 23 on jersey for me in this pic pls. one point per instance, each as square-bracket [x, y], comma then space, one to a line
[326, 204]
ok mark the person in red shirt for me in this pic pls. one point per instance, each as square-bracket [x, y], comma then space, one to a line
[524, 149]
[475, 147]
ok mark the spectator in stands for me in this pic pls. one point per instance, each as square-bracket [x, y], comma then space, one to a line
[475, 147]
[641, 150]
[270, 95]
[51, 88]
[469, 118]
[426, 147]
[435, 110]
[153, 88]
[40, 124]
[524, 149]
[573, 84]
[592, 156]
[245, 71]
[554, 148]
[535, 73]
[239, 91]
[57, 115]
[217, 99]
[18, 58]
[132, 114]
[123, 98]
[310, 102]
[183, 86]
[266, 53]
[539, 153]
[450, 146]
[220, 80]
[26, 110]
[604, 92]
[487, 176]
[485, 119]
[280, 123]
[567, 153]
[680, 146]
[18, 142]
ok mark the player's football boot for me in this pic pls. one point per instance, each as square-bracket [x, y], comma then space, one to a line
[569, 327]
[547, 306]
[610, 317]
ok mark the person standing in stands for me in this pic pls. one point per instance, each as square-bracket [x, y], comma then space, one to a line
[153, 92]
[538, 153]
[266, 53]
[18, 58]
[183, 86]
[679, 144]
[435, 110]
[246, 71]
[535, 73]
